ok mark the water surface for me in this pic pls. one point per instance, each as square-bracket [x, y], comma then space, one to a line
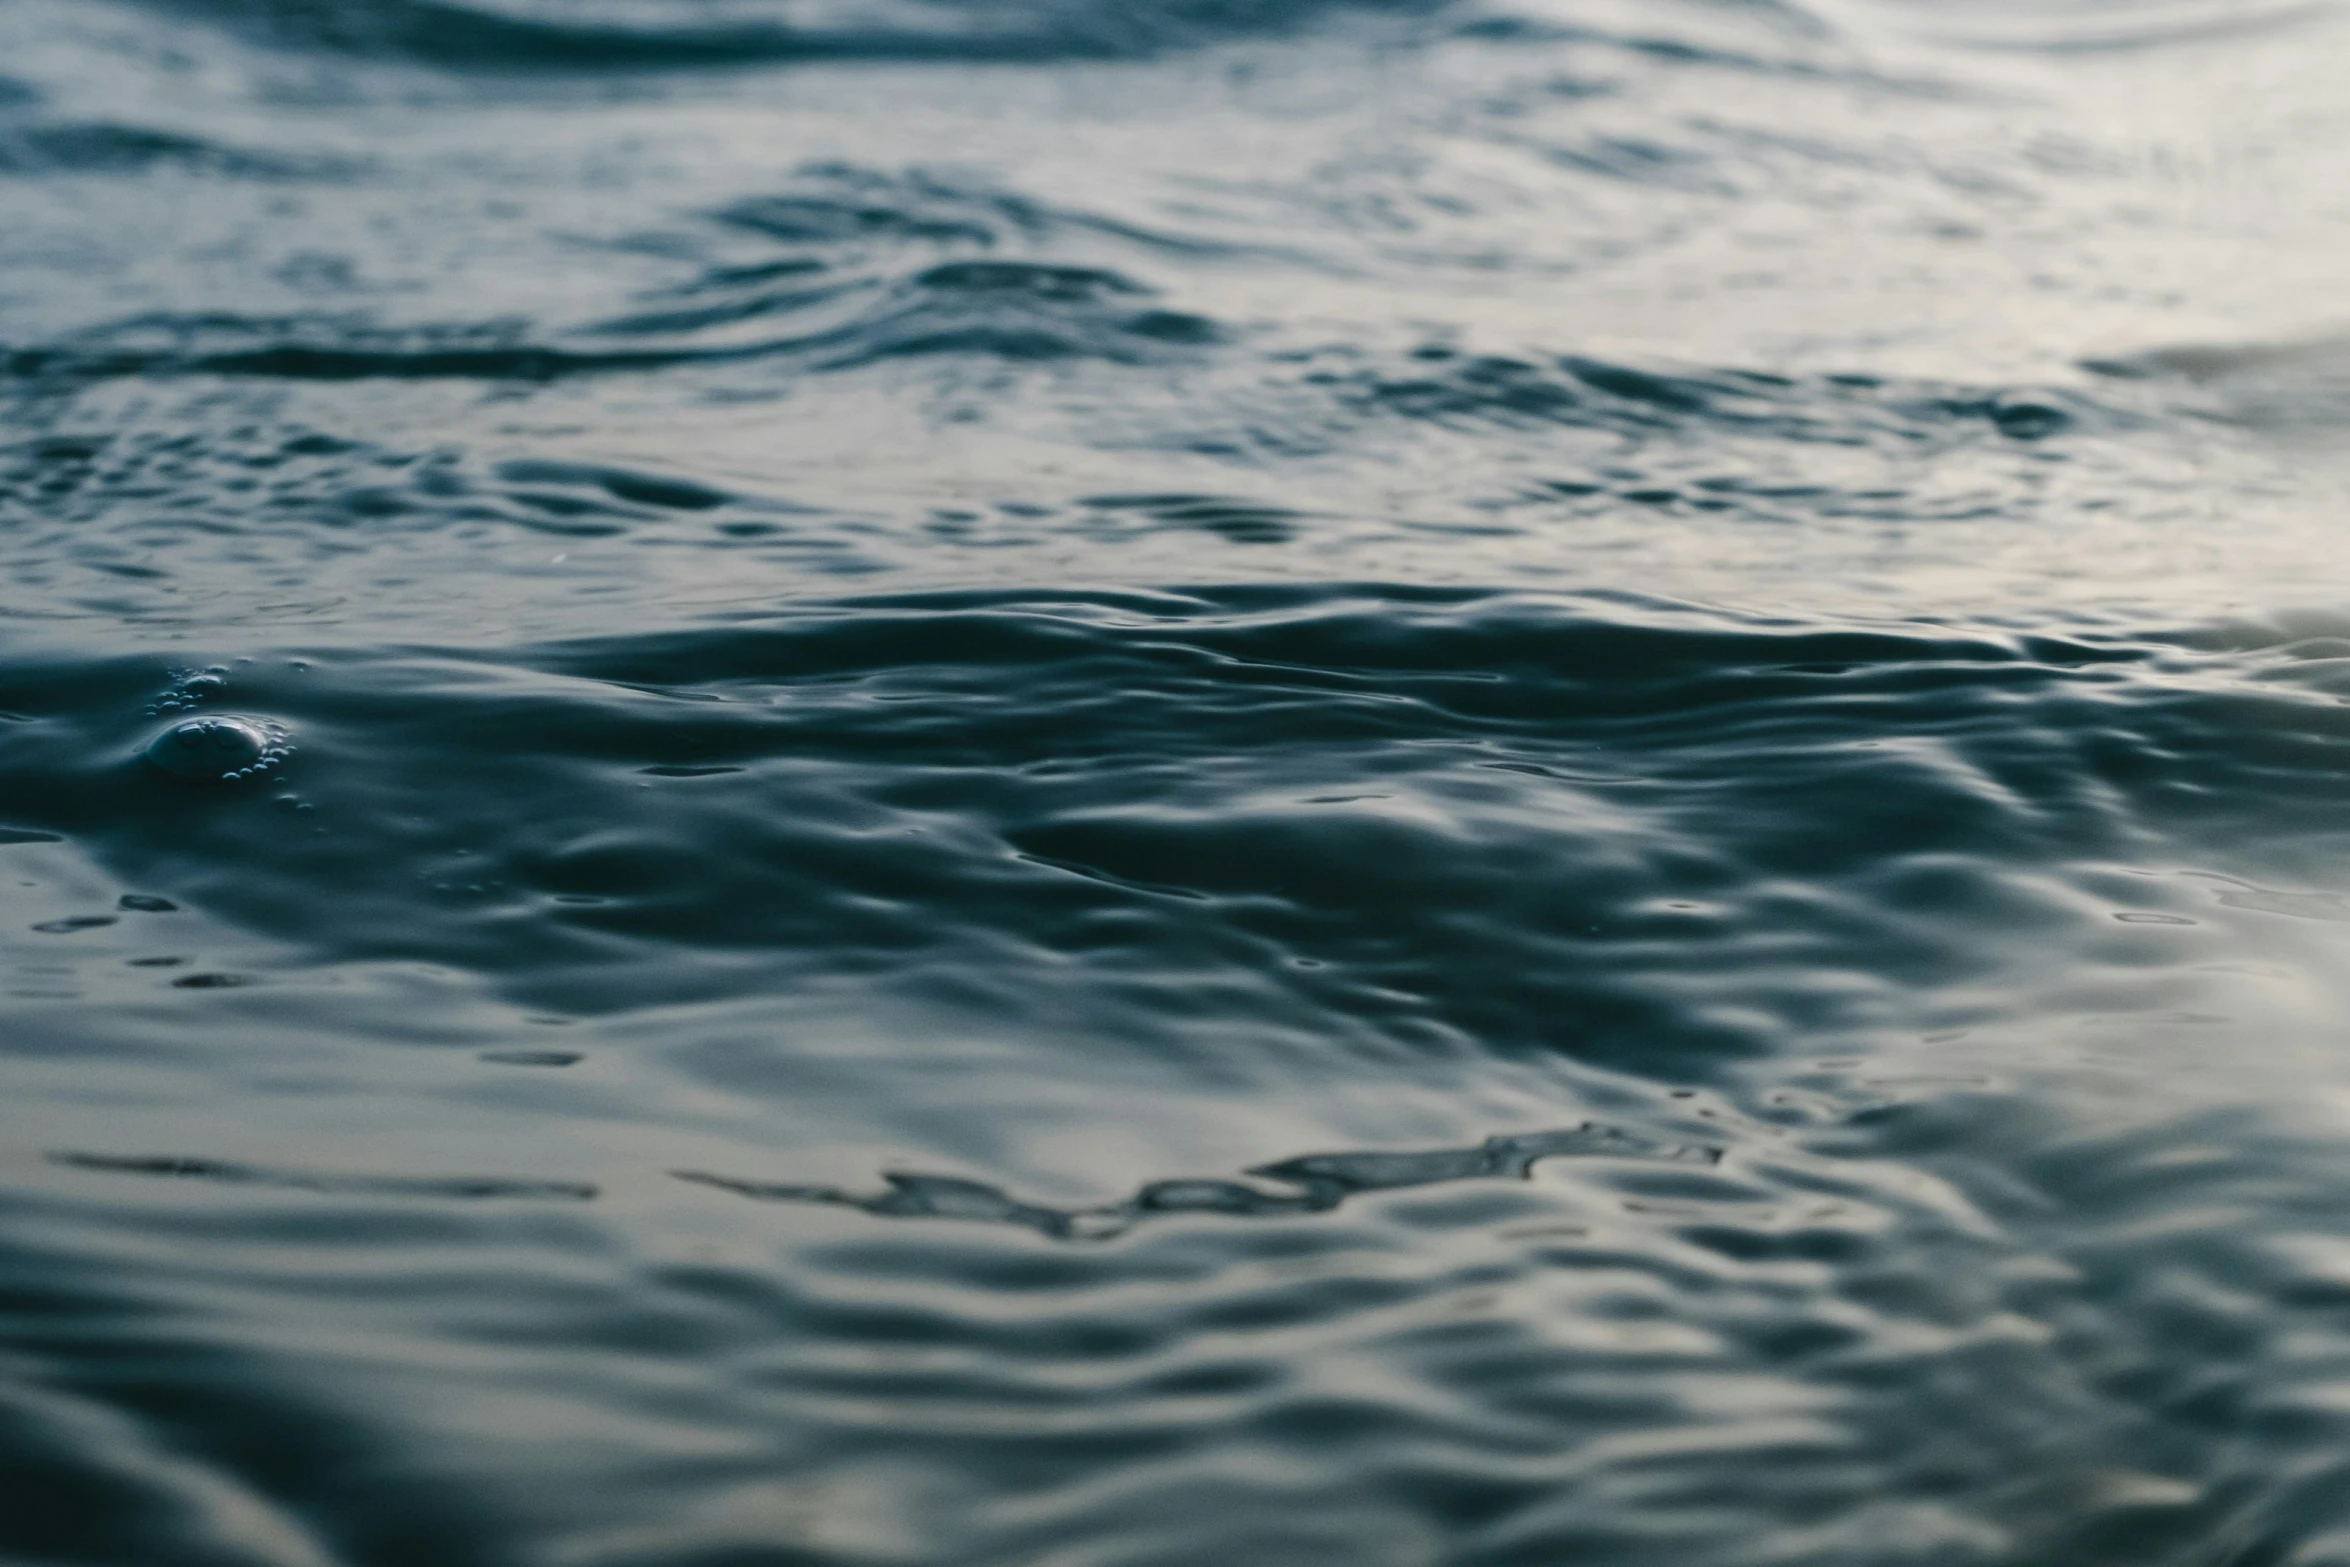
[1050, 783]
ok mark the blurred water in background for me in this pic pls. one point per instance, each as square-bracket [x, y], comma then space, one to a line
[1129, 783]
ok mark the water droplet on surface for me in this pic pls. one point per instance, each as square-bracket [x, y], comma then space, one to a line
[218, 750]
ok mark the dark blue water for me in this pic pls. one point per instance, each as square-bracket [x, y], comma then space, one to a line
[1202, 783]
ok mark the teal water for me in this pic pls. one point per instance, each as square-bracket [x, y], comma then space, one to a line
[1048, 783]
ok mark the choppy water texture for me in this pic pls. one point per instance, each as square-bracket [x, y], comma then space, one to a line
[1136, 783]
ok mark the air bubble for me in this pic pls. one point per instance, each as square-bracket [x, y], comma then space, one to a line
[218, 750]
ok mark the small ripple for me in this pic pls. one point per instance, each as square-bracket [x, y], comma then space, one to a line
[1577, 390]
[225, 1172]
[1311, 1183]
[1229, 517]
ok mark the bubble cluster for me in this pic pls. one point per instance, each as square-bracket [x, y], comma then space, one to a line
[219, 750]
[189, 688]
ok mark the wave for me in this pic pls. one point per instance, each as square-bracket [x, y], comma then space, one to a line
[607, 35]
[2288, 387]
[1476, 822]
[837, 268]
[1006, 310]
[1037, 311]
[110, 147]
[1016, 310]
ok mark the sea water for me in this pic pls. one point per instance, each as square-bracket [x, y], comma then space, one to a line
[1174, 783]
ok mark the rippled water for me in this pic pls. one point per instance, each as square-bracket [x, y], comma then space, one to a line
[1075, 783]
